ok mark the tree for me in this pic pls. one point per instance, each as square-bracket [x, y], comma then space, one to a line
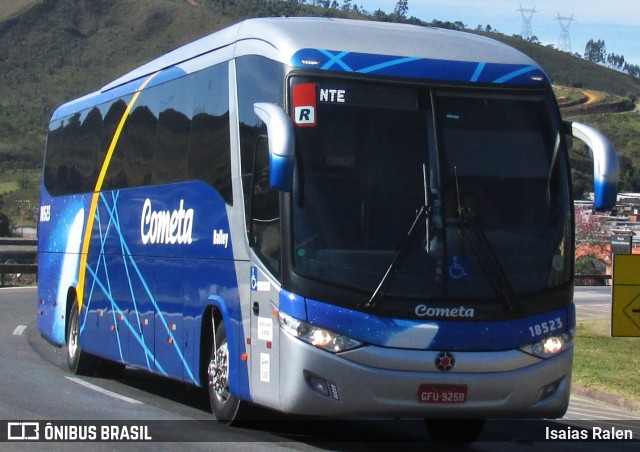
[615, 61]
[381, 16]
[401, 9]
[595, 51]
[632, 69]
[593, 253]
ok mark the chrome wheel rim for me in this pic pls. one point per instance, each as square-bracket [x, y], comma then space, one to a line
[218, 371]
[72, 343]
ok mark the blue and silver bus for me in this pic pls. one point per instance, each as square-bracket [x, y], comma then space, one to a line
[323, 217]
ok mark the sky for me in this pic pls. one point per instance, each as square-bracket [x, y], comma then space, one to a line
[616, 22]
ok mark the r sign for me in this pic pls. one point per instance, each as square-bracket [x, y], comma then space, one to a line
[304, 105]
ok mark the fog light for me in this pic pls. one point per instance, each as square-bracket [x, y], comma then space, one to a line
[318, 385]
[549, 390]
[322, 386]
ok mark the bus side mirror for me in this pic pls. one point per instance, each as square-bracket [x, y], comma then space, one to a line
[281, 144]
[605, 163]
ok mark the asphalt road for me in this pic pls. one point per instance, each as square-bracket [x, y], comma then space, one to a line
[35, 385]
[592, 302]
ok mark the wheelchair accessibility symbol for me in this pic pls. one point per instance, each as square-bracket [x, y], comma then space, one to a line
[256, 284]
[254, 278]
[457, 268]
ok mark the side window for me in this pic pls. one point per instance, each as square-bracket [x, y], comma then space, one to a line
[87, 149]
[72, 145]
[136, 147]
[259, 80]
[53, 161]
[174, 126]
[109, 125]
[265, 210]
[209, 157]
[176, 131]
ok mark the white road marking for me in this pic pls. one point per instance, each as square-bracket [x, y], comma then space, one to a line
[19, 330]
[18, 288]
[583, 408]
[103, 391]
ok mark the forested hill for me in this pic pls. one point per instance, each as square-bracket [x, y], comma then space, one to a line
[52, 51]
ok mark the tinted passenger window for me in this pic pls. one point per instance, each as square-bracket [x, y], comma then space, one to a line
[175, 132]
[210, 150]
[136, 148]
[176, 102]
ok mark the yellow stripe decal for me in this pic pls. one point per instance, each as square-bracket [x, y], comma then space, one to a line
[96, 192]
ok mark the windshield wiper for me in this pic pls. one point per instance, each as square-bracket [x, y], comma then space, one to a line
[488, 258]
[419, 222]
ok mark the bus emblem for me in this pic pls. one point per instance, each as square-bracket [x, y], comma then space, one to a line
[165, 226]
[422, 310]
[445, 361]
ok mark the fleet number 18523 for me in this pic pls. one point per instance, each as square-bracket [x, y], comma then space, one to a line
[546, 327]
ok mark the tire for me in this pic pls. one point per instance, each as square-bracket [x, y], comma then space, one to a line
[464, 431]
[79, 362]
[225, 407]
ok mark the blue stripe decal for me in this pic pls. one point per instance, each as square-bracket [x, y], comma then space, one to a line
[144, 302]
[335, 59]
[377, 67]
[127, 254]
[476, 74]
[420, 68]
[104, 284]
[507, 77]
[138, 337]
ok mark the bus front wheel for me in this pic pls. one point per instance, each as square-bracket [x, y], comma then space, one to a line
[225, 407]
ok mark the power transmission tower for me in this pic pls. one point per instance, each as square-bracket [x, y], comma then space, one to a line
[527, 15]
[565, 40]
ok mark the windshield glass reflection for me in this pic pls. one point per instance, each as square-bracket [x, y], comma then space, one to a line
[372, 160]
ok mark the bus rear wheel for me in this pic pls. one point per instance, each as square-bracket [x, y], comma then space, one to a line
[225, 407]
[79, 362]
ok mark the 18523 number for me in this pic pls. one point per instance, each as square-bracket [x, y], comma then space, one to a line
[546, 327]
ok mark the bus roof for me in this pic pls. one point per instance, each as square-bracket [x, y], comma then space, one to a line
[290, 35]
[344, 45]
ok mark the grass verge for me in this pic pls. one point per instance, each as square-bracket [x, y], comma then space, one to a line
[6, 187]
[606, 363]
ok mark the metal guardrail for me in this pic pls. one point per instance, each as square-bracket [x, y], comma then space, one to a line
[603, 280]
[16, 258]
[16, 269]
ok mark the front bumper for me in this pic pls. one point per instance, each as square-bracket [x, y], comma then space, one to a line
[375, 381]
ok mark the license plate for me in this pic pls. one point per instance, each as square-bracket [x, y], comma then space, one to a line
[442, 393]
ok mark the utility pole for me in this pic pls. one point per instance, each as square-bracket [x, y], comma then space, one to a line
[527, 15]
[565, 40]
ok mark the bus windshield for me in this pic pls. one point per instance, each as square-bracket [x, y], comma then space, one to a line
[487, 166]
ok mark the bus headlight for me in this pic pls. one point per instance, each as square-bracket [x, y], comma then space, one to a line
[550, 346]
[316, 336]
